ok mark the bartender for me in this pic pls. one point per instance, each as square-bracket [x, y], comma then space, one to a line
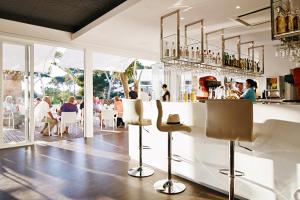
[249, 94]
[239, 88]
[166, 96]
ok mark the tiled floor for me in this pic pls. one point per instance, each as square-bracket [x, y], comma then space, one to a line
[83, 169]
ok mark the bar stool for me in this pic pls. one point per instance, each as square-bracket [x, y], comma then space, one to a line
[230, 120]
[169, 186]
[133, 115]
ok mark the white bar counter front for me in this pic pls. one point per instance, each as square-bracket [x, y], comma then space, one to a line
[272, 169]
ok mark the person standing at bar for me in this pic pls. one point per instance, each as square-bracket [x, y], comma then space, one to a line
[239, 88]
[166, 96]
[133, 94]
[249, 94]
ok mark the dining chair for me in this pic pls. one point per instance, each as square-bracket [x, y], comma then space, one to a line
[68, 118]
[108, 115]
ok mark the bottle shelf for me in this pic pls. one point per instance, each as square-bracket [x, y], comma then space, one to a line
[182, 64]
[190, 54]
[287, 35]
[285, 20]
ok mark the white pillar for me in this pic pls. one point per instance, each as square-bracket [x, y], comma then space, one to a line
[1, 94]
[88, 94]
[173, 85]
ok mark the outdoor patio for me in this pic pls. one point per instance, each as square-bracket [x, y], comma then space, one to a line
[17, 135]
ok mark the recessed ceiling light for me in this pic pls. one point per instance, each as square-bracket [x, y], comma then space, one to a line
[204, 27]
[182, 18]
[237, 7]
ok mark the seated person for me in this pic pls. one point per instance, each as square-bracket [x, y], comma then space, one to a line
[11, 112]
[69, 106]
[118, 106]
[97, 108]
[43, 113]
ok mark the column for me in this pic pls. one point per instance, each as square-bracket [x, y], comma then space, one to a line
[88, 93]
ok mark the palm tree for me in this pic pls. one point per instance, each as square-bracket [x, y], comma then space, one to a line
[130, 73]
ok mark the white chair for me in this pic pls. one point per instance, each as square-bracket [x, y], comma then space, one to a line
[108, 115]
[68, 118]
[10, 117]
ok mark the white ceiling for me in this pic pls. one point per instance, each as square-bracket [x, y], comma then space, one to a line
[14, 58]
[135, 31]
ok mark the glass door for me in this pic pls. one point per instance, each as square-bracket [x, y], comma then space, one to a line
[15, 106]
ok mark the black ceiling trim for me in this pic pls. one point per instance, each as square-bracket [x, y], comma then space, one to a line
[65, 15]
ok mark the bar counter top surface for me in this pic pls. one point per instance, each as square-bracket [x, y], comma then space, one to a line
[272, 169]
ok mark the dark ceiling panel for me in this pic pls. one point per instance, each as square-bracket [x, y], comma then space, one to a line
[65, 15]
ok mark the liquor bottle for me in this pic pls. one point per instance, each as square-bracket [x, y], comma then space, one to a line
[225, 59]
[257, 67]
[192, 54]
[254, 66]
[185, 96]
[173, 50]
[289, 22]
[205, 56]
[187, 53]
[296, 22]
[230, 61]
[280, 22]
[288, 18]
[233, 61]
[181, 52]
[214, 58]
[250, 66]
[209, 58]
[167, 50]
[247, 64]
[218, 59]
[243, 64]
[198, 56]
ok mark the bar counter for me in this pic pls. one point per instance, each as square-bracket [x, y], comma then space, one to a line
[272, 169]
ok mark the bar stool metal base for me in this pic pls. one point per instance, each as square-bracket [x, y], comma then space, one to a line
[140, 172]
[169, 186]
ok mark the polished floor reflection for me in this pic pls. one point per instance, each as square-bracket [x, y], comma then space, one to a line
[82, 169]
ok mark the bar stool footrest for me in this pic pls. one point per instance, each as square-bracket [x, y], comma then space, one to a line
[140, 172]
[236, 172]
[169, 186]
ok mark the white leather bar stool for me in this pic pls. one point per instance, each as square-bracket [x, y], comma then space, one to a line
[133, 115]
[169, 186]
[230, 120]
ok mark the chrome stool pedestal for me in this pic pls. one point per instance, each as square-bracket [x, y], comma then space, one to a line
[133, 115]
[140, 171]
[169, 186]
[221, 123]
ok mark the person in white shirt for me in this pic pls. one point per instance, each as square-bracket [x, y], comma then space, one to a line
[43, 113]
[143, 95]
[12, 113]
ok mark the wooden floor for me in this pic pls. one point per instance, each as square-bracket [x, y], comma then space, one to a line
[18, 135]
[13, 135]
[83, 169]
